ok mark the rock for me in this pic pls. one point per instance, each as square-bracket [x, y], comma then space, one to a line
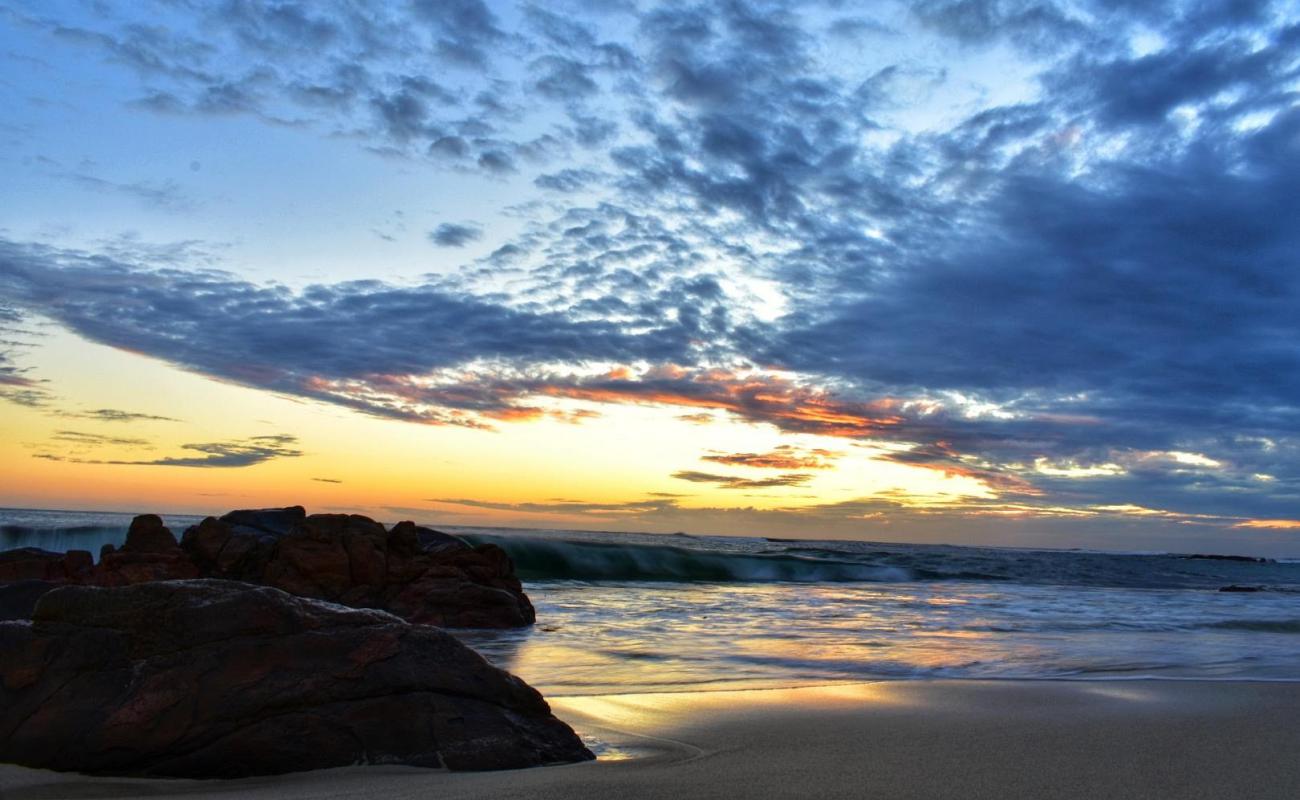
[422, 575]
[147, 534]
[428, 540]
[17, 600]
[33, 563]
[149, 554]
[1235, 588]
[270, 521]
[216, 679]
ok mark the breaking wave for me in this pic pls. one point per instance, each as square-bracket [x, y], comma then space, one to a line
[598, 558]
[540, 560]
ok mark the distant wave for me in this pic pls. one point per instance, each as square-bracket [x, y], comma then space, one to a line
[29, 532]
[61, 538]
[1257, 625]
[540, 560]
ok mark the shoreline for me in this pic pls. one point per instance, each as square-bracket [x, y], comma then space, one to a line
[553, 697]
[912, 738]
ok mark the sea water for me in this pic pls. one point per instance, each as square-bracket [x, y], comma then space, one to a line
[619, 612]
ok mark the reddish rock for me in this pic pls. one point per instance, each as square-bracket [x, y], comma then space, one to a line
[149, 554]
[308, 566]
[147, 534]
[422, 575]
[426, 540]
[35, 564]
[215, 679]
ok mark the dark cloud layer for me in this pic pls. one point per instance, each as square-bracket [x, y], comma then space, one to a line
[362, 344]
[1087, 297]
[448, 82]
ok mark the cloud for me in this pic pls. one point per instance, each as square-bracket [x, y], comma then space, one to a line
[634, 507]
[451, 234]
[1274, 524]
[1046, 284]
[167, 195]
[327, 480]
[781, 457]
[14, 383]
[341, 69]
[97, 440]
[753, 396]
[733, 482]
[212, 455]
[1033, 25]
[566, 180]
[29, 398]
[364, 345]
[701, 418]
[466, 28]
[116, 415]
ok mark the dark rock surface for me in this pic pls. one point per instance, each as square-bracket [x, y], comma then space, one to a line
[18, 600]
[34, 564]
[217, 679]
[149, 554]
[420, 574]
[417, 573]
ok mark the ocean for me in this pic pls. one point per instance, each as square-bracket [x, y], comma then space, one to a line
[622, 612]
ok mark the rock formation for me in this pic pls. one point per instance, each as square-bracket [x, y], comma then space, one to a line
[218, 679]
[420, 574]
[18, 600]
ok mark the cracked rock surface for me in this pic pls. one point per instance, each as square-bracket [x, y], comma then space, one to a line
[218, 679]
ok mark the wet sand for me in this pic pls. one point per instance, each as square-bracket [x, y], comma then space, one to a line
[923, 739]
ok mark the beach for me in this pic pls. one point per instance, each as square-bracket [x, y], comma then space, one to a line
[892, 739]
[722, 667]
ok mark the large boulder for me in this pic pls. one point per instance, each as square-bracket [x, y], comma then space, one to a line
[216, 679]
[420, 574]
[150, 553]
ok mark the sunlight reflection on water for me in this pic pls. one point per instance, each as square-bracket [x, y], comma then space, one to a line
[602, 638]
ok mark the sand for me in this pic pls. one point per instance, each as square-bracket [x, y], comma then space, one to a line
[924, 739]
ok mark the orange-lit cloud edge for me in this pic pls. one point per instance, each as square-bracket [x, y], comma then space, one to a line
[898, 431]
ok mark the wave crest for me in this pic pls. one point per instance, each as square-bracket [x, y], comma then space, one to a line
[540, 560]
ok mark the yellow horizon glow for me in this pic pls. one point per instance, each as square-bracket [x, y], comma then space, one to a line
[620, 453]
[627, 453]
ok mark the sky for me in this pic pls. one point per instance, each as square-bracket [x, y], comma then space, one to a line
[1009, 272]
